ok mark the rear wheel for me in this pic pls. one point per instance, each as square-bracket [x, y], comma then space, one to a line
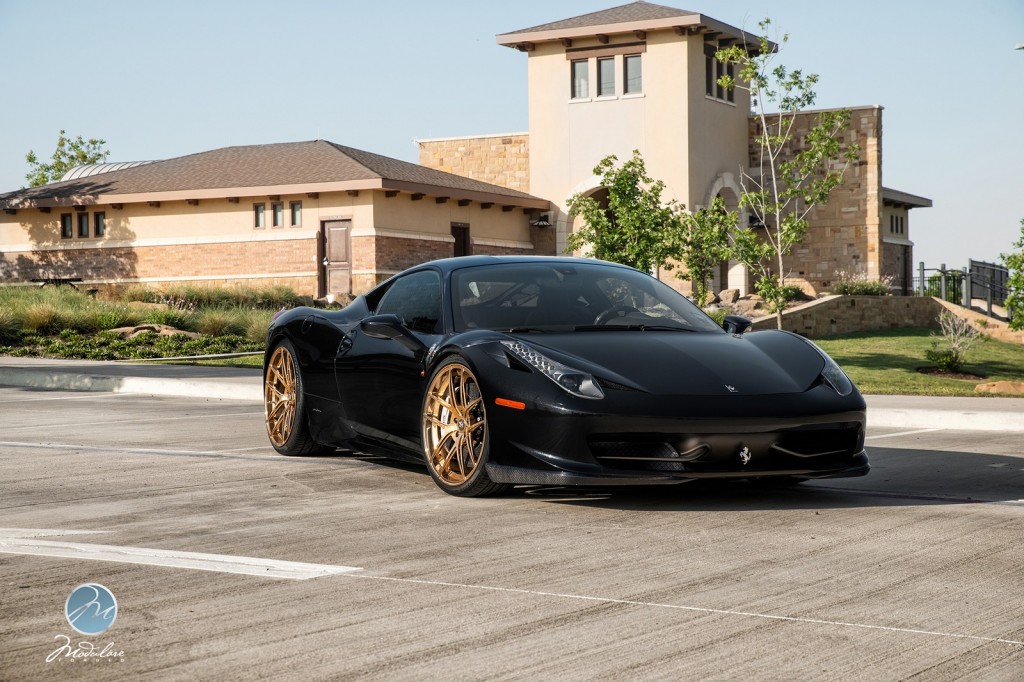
[455, 435]
[283, 404]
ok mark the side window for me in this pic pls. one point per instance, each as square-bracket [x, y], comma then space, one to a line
[416, 299]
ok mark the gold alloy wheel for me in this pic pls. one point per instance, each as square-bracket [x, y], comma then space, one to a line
[454, 424]
[279, 397]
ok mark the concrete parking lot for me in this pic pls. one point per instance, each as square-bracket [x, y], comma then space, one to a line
[230, 561]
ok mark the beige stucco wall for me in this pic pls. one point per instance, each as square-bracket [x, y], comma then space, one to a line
[215, 242]
[687, 140]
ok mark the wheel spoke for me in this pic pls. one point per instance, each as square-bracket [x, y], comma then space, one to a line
[454, 424]
[280, 396]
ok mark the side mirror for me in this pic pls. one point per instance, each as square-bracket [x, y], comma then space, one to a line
[735, 324]
[391, 327]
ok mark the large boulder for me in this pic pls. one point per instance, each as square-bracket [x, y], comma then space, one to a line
[729, 296]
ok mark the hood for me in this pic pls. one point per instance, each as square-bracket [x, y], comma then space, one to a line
[689, 363]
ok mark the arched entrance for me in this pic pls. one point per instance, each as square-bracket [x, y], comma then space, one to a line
[730, 274]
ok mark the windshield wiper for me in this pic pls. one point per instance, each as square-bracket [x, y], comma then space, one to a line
[520, 330]
[631, 328]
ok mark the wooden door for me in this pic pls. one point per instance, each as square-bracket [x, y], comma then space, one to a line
[337, 257]
[460, 231]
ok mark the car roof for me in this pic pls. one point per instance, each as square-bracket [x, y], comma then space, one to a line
[450, 264]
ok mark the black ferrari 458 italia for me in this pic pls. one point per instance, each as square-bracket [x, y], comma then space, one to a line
[501, 371]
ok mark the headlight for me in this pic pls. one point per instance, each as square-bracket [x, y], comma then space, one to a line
[833, 374]
[571, 380]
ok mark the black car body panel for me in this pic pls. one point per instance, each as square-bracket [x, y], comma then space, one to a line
[676, 403]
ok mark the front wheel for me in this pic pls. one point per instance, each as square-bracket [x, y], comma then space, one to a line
[283, 404]
[455, 436]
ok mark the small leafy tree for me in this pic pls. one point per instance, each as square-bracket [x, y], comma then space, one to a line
[69, 153]
[792, 176]
[1014, 262]
[959, 336]
[704, 244]
[637, 228]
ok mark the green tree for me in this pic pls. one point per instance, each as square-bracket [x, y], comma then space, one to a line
[1014, 261]
[69, 153]
[704, 244]
[791, 176]
[636, 228]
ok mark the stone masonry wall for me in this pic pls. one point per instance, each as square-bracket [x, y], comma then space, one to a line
[502, 160]
[834, 315]
[844, 234]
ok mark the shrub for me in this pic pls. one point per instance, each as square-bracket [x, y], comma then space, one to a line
[10, 328]
[792, 293]
[172, 317]
[860, 285]
[42, 318]
[717, 314]
[218, 322]
[959, 336]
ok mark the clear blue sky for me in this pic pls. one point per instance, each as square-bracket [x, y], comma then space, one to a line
[163, 79]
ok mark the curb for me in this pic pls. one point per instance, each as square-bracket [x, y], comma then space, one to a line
[180, 388]
[958, 420]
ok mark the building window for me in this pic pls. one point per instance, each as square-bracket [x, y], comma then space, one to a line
[277, 211]
[580, 79]
[296, 208]
[65, 226]
[99, 224]
[713, 71]
[632, 74]
[259, 221]
[83, 224]
[606, 77]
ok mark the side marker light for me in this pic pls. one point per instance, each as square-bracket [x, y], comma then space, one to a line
[514, 404]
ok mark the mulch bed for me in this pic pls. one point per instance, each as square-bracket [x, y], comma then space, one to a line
[935, 371]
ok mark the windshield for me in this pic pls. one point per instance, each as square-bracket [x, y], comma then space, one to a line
[583, 296]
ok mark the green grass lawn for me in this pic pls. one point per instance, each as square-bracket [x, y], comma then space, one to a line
[886, 362]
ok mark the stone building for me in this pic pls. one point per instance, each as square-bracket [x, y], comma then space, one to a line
[643, 76]
[323, 218]
[316, 216]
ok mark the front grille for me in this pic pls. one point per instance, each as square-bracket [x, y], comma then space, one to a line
[643, 455]
[807, 448]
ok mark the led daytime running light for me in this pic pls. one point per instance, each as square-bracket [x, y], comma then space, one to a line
[571, 380]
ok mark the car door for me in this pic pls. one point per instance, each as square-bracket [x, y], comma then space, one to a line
[380, 380]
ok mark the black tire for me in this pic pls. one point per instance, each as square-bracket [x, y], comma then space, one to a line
[456, 440]
[284, 409]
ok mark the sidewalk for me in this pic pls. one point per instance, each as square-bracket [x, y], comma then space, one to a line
[888, 411]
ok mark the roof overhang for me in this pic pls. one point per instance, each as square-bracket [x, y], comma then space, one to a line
[87, 199]
[898, 199]
[692, 24]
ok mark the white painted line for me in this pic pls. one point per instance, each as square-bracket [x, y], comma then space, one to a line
[79, 396]
[698, 609]
[221, 563]
[43, 532]
[145, 420]
[149, 451]
[902, 433]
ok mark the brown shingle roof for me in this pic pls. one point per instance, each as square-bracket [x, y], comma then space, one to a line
[288, 164]
[634, 11]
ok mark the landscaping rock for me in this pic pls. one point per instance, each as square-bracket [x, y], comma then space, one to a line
[158, 329]
[729, 296]
[1001, 387]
